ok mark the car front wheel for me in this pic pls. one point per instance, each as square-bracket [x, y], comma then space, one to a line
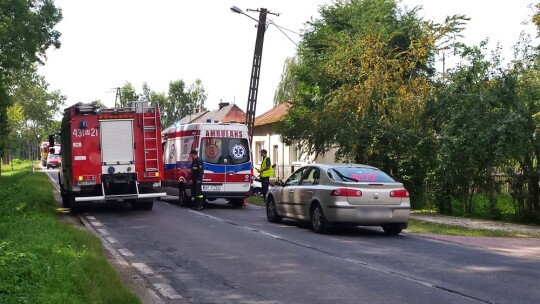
[271, 211]
[318, 221]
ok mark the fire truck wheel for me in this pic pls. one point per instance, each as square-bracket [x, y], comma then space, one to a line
[183, 199]
[66, 203]
[147, 205]
[135, 205]
[74, 209]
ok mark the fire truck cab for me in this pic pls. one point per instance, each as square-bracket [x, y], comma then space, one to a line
[110, 154]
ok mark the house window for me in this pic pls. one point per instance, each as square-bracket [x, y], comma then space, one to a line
[259, 145]
[298, 152]
[275, 155]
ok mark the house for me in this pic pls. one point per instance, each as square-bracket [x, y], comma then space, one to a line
[287, 158]
[226, 113]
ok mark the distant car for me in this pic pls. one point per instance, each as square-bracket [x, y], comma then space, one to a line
[53, 160]
[256, 187]
[350, 194]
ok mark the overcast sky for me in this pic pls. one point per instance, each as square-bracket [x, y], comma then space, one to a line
[108, 42]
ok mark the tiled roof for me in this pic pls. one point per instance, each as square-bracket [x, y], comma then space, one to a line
[229, 113]
[226, 114]
[273, 115]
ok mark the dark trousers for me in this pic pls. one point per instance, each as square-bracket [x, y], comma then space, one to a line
[196, 193]
[265, 183]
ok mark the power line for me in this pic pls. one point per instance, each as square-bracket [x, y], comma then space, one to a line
[281, 27]
[281, 30]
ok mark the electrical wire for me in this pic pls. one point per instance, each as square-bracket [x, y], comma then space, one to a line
[281, 30]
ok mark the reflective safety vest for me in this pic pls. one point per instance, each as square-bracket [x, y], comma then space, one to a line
[264, 172]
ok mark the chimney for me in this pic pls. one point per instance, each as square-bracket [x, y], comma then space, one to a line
[222, 104]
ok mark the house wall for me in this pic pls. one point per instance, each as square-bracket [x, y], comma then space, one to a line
[284, 156]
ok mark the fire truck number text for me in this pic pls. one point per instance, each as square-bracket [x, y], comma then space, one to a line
[85, 132]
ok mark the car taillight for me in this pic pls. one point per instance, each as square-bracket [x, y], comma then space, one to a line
[399, 193]
[346, 192]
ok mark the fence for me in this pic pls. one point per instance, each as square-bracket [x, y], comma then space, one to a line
[283, 171]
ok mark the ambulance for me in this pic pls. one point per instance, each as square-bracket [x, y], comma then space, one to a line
[225, 151]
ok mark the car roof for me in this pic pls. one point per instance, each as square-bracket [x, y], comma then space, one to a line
[326, 166]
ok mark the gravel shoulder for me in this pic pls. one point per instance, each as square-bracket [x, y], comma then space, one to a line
[525, 247]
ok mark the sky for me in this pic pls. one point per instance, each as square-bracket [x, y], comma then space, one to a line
[106, 43]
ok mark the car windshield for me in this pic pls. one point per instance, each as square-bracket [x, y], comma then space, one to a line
[52, 156]
[359, 174]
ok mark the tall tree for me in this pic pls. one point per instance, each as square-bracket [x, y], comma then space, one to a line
[364, 76]
[479, 127]
[39, 107]
[127, 94]
[26, 32]
[287, 85]
[197, 96]
[177, 101]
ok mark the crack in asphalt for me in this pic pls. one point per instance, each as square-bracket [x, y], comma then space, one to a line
[357, 262]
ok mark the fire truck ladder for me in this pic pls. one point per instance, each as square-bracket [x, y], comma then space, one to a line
[150, 139]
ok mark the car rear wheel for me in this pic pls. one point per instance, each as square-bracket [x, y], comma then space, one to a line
[318, 221]
[271, 211]
[392, 229]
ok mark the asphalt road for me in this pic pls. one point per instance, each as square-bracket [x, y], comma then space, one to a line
[226, 255]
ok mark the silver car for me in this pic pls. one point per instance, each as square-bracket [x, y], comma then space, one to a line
[351, 194]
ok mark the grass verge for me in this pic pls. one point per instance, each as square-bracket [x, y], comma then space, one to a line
[255, 200]
[43, 260]
[419, 226]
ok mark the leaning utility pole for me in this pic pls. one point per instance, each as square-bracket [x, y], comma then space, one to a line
[255, 72]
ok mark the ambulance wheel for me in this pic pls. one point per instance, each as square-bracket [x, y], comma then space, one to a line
[147, 205]
[183, 199]
[237, 202]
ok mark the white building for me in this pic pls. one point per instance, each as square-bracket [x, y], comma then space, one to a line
[287, 158]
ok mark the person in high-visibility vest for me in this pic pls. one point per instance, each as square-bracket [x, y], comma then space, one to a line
[266, 172]
[197, 172]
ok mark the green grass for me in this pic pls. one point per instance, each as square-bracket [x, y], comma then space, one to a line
[43, 260]
[255, 200]
[419, 226]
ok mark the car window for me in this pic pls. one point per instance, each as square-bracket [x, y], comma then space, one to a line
[295, 178]
[312, 177]
[51, 156]
[359, 174]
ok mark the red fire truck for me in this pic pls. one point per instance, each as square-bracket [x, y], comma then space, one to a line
[110, 154]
